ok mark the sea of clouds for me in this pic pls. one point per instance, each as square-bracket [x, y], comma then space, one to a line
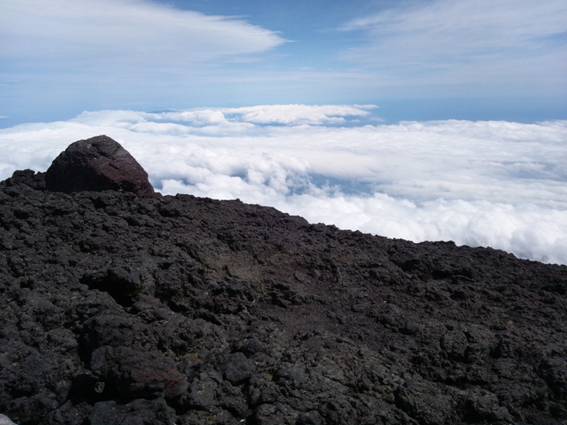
[488, 183]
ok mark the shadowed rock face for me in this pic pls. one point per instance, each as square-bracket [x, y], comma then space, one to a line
[95, 164]
[133, 310]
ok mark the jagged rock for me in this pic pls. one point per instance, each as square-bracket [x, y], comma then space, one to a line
[98, 163]
[138, 412]
[238, 368]
[28, 178]
[128, 374]
[122, 284]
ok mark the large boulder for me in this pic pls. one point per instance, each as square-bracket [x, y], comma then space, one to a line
[98, 163]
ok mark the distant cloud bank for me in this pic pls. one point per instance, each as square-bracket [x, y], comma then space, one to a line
[499, 184]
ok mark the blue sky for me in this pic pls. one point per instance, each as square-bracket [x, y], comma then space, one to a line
[420, 59]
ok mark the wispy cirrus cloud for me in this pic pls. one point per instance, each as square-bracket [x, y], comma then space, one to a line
[63, 56]
[84, 33]
[510, 43]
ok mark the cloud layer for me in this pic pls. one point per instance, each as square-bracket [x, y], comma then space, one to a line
[499, 184]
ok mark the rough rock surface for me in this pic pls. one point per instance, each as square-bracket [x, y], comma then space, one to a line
[119, 309]
[98, 163]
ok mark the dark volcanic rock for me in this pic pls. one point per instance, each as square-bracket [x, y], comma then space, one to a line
[119, 309]
[27, 178]
[98, 163]
[129, 374]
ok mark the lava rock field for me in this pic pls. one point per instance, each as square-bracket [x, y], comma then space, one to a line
[131, 310]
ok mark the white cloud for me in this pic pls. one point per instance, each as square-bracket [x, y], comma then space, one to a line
[234, 119]
[501, 184]
[452, 42]
[482, 24]
[111, 33]
[301, 114]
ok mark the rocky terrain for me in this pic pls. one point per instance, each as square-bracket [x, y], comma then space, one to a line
[124, 307]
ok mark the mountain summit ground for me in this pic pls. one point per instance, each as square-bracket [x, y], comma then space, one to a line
[139, 310]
